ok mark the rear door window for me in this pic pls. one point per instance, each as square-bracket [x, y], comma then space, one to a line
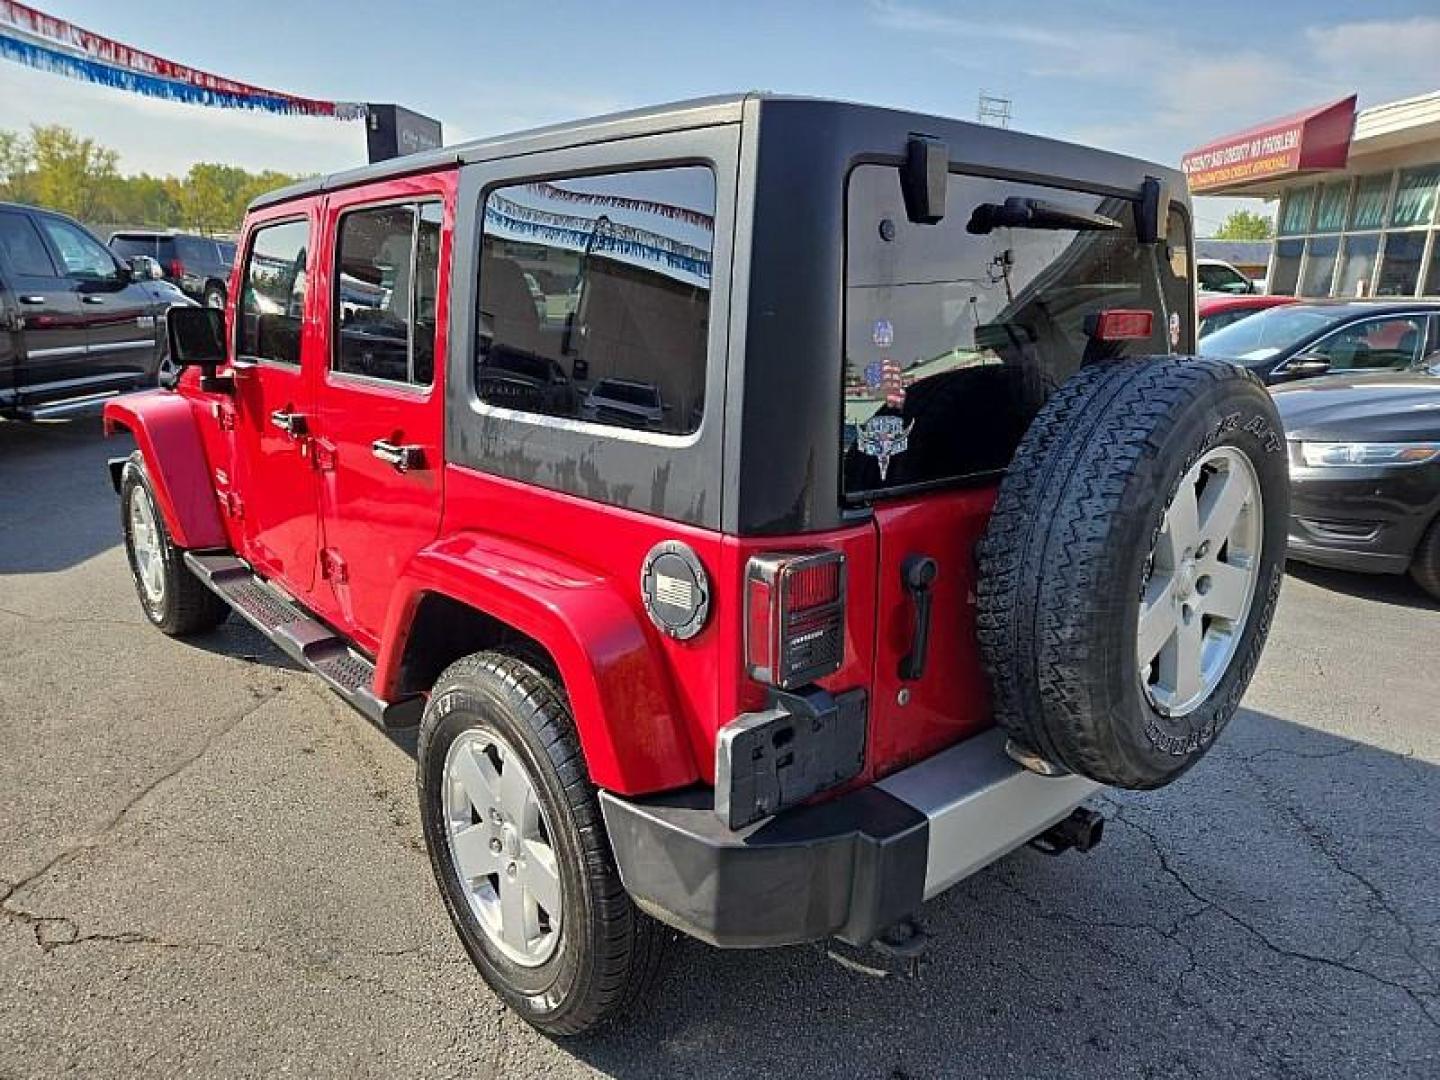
[954, 337]
[272, 297]
[387, 262]
[594, 298]
[22, 247]
[128, 246]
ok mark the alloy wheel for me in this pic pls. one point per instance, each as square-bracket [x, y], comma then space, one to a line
[146, 544]
[500, 844]
[1201, 581]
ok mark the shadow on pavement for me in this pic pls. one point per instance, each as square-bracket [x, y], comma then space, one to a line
[1269, 914]
[1396, 589]
[57, 507]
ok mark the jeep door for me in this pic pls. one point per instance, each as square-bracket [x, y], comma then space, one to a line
[380, 390]
[48, 327]
[275, 347]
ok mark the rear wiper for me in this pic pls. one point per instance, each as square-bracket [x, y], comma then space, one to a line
[1018, 213]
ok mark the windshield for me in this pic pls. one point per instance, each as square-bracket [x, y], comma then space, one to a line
[1267, 333]
[955, 337]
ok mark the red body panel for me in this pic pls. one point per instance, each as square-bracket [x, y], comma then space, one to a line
[166, 428]
[273, 472]
[950, 701]
[1213, 305]
[374, 519]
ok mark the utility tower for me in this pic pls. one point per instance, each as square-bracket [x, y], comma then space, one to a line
[993, 110]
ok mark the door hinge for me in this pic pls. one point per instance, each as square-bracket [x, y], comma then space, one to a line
[322, 454]
[332, 567]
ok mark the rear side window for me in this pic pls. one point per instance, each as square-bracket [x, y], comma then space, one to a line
[387, 263]
[272, 297]
[126, 246]
[22, 246]
[195, 250]
[594, 298]
[956, 333]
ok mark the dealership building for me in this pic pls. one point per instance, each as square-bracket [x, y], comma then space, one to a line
[1357, 195]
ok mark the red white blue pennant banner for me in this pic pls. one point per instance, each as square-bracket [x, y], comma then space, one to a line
[43, 42]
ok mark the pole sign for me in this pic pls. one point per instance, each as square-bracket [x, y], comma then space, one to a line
[1314, 139]
[394, 131]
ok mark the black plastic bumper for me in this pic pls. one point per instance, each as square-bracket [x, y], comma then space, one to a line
[1363, 519]
[846, 868]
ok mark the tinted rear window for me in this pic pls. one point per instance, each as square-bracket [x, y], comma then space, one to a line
[193, 249]
[954, 339]
[125, 246]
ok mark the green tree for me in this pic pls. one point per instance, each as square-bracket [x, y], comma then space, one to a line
[1245, 225]
[52, 166]
[74, 175]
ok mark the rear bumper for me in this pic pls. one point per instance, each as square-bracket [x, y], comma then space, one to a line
[846, 868]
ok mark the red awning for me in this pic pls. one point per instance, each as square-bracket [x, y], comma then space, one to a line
[1305, 141]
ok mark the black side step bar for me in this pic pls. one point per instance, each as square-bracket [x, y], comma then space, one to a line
[302, 637]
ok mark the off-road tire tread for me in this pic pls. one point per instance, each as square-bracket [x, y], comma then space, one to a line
[633, 946]
[1049, 528]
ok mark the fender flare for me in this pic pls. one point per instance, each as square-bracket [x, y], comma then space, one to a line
[625, 714]
[167, 433]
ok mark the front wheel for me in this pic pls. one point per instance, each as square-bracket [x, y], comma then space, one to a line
[513, 828]
[1425, 567]
[173, 598]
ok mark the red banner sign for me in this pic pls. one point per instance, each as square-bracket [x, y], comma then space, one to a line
[1313, 139]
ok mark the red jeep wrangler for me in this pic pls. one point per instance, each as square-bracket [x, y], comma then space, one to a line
[772, 511]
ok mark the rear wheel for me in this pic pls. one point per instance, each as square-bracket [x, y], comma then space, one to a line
[173, 598]
[1131, 566]
[519, 850]
[1425, 567]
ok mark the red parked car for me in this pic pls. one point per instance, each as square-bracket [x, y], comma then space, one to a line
[736, 669]
[1220, 311]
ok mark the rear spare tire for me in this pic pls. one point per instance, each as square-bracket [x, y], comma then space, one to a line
[1130, 569]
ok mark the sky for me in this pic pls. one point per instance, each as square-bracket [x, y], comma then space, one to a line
[1145, 78]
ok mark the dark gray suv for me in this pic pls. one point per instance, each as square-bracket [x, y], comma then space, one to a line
[198, 265]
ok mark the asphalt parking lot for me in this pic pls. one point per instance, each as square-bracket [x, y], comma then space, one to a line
[210, 866]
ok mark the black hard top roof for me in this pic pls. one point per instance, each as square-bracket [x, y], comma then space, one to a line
[708, 112]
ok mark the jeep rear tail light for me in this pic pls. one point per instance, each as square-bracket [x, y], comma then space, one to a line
[1121, 324]
[794, 617]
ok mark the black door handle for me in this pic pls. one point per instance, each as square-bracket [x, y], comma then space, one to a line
[92, 299]
[918, 572]
[291, 423]
[32, 299]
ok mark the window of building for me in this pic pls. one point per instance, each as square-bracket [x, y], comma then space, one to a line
[594, 298]
[1285, 267]
[387, 265]
[1330, 214]
[1320, 252]
[1432, 275]
[1357, 266]
[272, 298]
[1387, 223]
[1371, 195]
[1295, 213]
[1415, 196]
[1400, 266]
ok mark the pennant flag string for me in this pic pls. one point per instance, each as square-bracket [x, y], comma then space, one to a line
[585, 225]
[621, 202]
[43, 42]
[580, 239]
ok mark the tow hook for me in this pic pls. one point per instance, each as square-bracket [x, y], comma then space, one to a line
[1082, 830]
[899, 949]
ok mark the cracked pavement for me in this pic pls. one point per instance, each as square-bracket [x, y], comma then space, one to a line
[210, 866]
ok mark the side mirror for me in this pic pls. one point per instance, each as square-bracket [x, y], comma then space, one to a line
[1303, 367]
[197, 339]
[144, 268]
